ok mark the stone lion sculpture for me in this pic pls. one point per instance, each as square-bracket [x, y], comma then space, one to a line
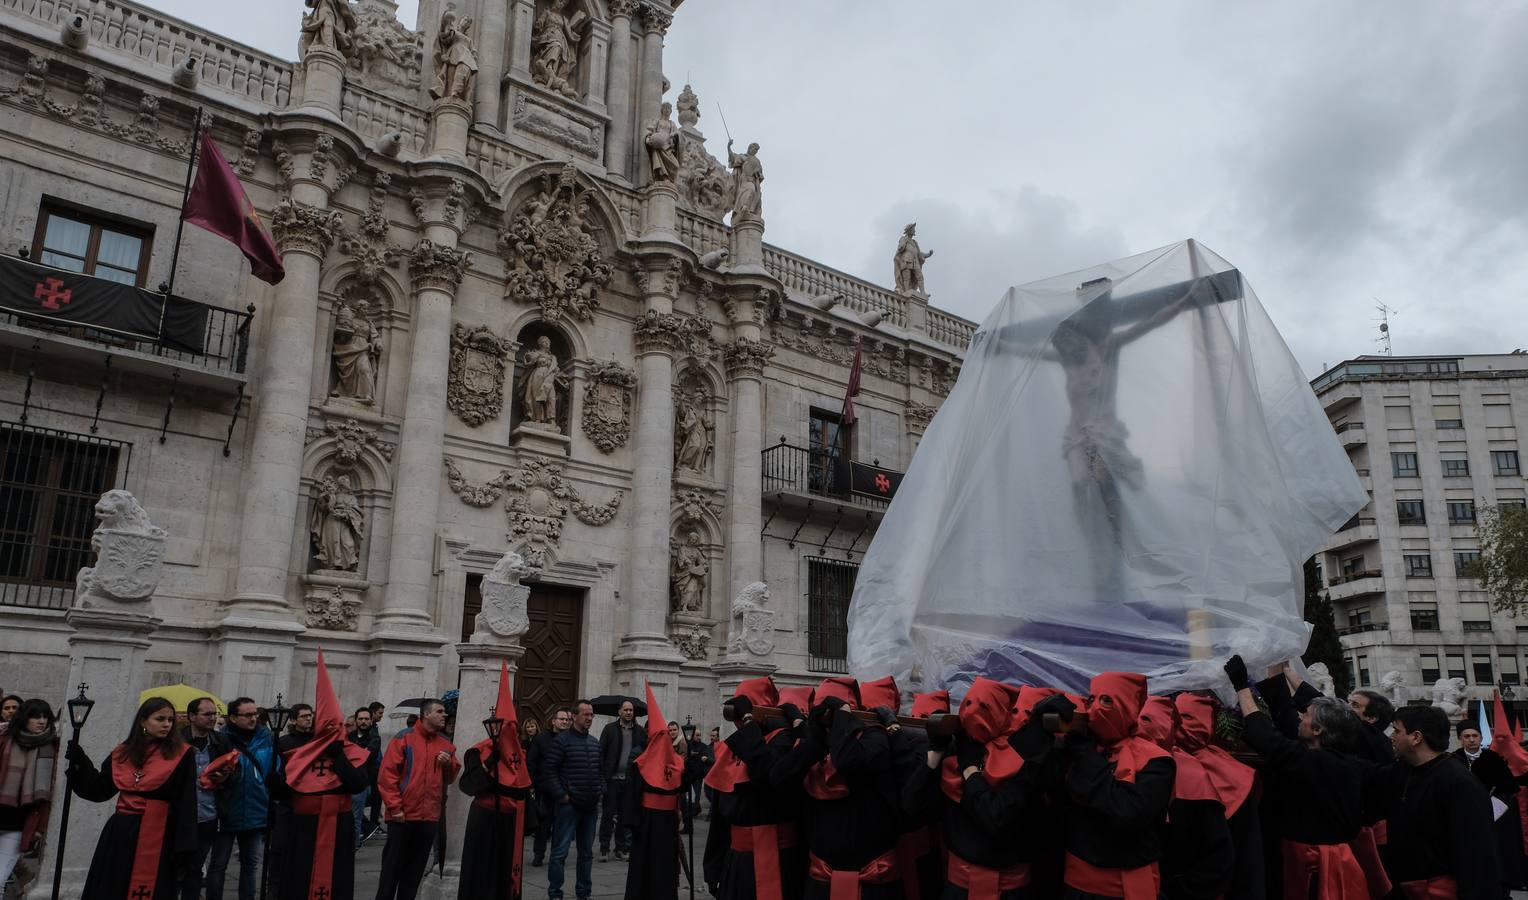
[121, 511]
[1393, 684]
[753, 623]
[129, 554]
[1448, 695]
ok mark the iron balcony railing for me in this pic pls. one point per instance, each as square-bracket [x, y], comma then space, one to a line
[824, 473]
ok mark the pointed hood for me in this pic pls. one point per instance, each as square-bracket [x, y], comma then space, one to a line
[926, 704]
[801, 695]
[511, 769]
[1232, 779]
[1115, 705]
[845, 689]
[880, 692]
[659, 763]
[307, 766]
[1503, 740]
[759, 691]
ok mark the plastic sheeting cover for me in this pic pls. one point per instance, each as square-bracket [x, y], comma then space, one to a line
[1128, 475]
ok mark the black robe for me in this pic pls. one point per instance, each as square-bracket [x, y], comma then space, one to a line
[299, 833]
[1437, 816]
[111, 868]
[850, 832]
[1114, 824]
[1248, 881]
[1492, 772]
[754, 802]
[653, 870]
[489, 862]
[1198, 854]
[909, 753]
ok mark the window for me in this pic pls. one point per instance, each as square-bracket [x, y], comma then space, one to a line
[1514, 503]
[1352, 565]
[1456, 468]
[1477, 625]
[49, 484]
[1410, 512]
[1418, 565]
[1360, 616]
[830, 584]
[1482, 668]
[1447, 415]
[1463, 561]
[1363, 670]
[1461, 512]
[1404, 465]
[1455, 662]
[829, 443]
[92, 245]
[1504, 462]
[1424, 620]
[1506, 665]
[1430, 670]
[1397, 417]
[1498, 415]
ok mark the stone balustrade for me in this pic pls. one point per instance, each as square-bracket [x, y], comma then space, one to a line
[372, 114]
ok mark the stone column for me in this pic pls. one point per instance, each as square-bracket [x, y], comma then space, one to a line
[449, 121]
[323, 79]
[660, 211]
[492, 38]
[746, 357]
[593, 67]
[524, 21]
[747, 246]
[647, 599]
[655, 24]
[618, 137]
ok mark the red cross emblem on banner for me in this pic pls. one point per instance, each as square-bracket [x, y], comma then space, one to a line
[52, 293]
[882, 483]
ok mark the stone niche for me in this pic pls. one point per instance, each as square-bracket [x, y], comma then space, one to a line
[554, 93]
[541, 408]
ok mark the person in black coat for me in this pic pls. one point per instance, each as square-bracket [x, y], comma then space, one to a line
[1491, 770]
[621, 742]
[493, 844]
[319, 811]
[561, 720]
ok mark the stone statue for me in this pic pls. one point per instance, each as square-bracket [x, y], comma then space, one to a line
[338, 525]
[753, 623]
[455, 63]
[357, 349]
[747, 184]
[129, 555]
[542, 379]
[689, 108]
[1320, 678]
[693, 437]
[909, 262]
[688, 572]
[663, 146]
[1393, 685]
[505, 600]
[554, 48]
[1448, 695]
[328, 26]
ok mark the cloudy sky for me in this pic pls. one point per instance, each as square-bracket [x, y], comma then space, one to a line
[1340, 154]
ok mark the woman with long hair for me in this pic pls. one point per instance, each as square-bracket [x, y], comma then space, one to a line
[153, 778]
[28, 756]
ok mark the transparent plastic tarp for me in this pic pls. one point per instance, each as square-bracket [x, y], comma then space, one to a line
[1128, 475]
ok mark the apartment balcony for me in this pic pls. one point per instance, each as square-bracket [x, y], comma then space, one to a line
[1353, 532]
[62, 315]
[1341, 393]
[1351, 434]
[815, 475]
[1352, 585]
[1365, 628]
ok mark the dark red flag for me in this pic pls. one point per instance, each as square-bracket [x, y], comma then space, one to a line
[853, 389]
[217, 202]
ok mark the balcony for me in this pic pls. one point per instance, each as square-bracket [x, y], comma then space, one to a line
[1351, 434]
[81, 318]
[817, 474]
[1339, 394]
[1354, 531]
[1361, 629]
[1351, 585]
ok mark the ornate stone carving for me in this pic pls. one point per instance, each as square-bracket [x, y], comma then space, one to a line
[692, 641]
[475, 385]
[129, 553]
[456, 64]
[338, 525]
[747, 184]
[919, 415]
[334, 610]
[368, 248]
[1448, 695]
[506, 611]
[689, 107]
[34, 83]
[671, 333]
[543, 118]
[476, 495]
[656, 19]
[318, 161]
[286, 164]
[146, 128]
[88, 111]
[301, 228]
[552, 249]
[539, 499]
[351, 438]
[607, 405]
[816, 340]
[1393, 684]
[456, 202]
[543, 378]
[692, 433]
[356, 352]
[694, 505]
[939, 376]
[438, 266]
[662, 144]
[328, 26]
[688, 570]
[622, 8]
[752, 627]
[555, 40]
[250, 152]
[385, 53]
[908, 261]
[705, 185]
[747, 358]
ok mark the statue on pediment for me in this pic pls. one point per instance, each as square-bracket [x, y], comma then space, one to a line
[555, 39]
[455, 62]
[747, 184]
[329, 26]
[663, 146]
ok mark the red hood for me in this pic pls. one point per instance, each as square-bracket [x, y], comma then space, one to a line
[925, 705]
[759, 691]
[1029, 697]
[881, 692]
[1115, 705]
[799, 695]
[846, 689]
[659, 763]
[1196, 721]
[1158, 722]
[986, 711]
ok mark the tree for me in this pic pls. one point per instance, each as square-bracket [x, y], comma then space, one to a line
[1503, 564]
[1324, 646]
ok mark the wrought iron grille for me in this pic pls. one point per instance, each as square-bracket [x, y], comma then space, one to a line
[50, 481]
[830, 584]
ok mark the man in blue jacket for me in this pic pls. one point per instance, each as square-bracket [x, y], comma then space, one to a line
[571, 780]
[245, 803]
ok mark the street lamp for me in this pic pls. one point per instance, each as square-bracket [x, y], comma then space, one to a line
[79, 711]
[687, 729]
[277, 715]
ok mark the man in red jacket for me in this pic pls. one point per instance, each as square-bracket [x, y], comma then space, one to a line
[416, 768]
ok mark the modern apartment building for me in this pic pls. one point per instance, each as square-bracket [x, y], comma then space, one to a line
[1435, 440]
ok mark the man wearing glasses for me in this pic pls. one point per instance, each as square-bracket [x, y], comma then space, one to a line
[208, 745]
[244, 803]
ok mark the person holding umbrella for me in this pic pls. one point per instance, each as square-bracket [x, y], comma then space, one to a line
[416, 767]
[495, 776]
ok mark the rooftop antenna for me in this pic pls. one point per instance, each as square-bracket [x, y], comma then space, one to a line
[1384, 327]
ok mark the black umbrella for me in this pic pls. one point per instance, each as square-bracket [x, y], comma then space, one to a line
[413, 701]
[610, 704]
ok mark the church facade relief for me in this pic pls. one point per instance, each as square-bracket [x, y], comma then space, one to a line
[476, 388]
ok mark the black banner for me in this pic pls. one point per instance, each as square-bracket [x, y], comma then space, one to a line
[873, 481]
[55, 295]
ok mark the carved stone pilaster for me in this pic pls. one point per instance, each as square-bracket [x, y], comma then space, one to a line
[620, 8]
[658, 276]
[300, 228]
[746, 358]
[659, 333]
[654, 19]
[437, 266]
[918, 416]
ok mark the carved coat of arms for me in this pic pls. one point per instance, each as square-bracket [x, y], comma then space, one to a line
[475, 390]
[607, 405]
[753, 623]
[129, 554]
[553, 252]
[505, 600]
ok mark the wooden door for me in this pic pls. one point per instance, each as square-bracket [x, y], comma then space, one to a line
[548, 674]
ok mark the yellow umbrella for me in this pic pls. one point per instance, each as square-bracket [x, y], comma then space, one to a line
[180, 695]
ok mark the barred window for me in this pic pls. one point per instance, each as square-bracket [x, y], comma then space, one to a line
[49, 484]
[830, 584]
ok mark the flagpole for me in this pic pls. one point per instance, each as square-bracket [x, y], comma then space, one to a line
[843, 411]
[180, 225]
